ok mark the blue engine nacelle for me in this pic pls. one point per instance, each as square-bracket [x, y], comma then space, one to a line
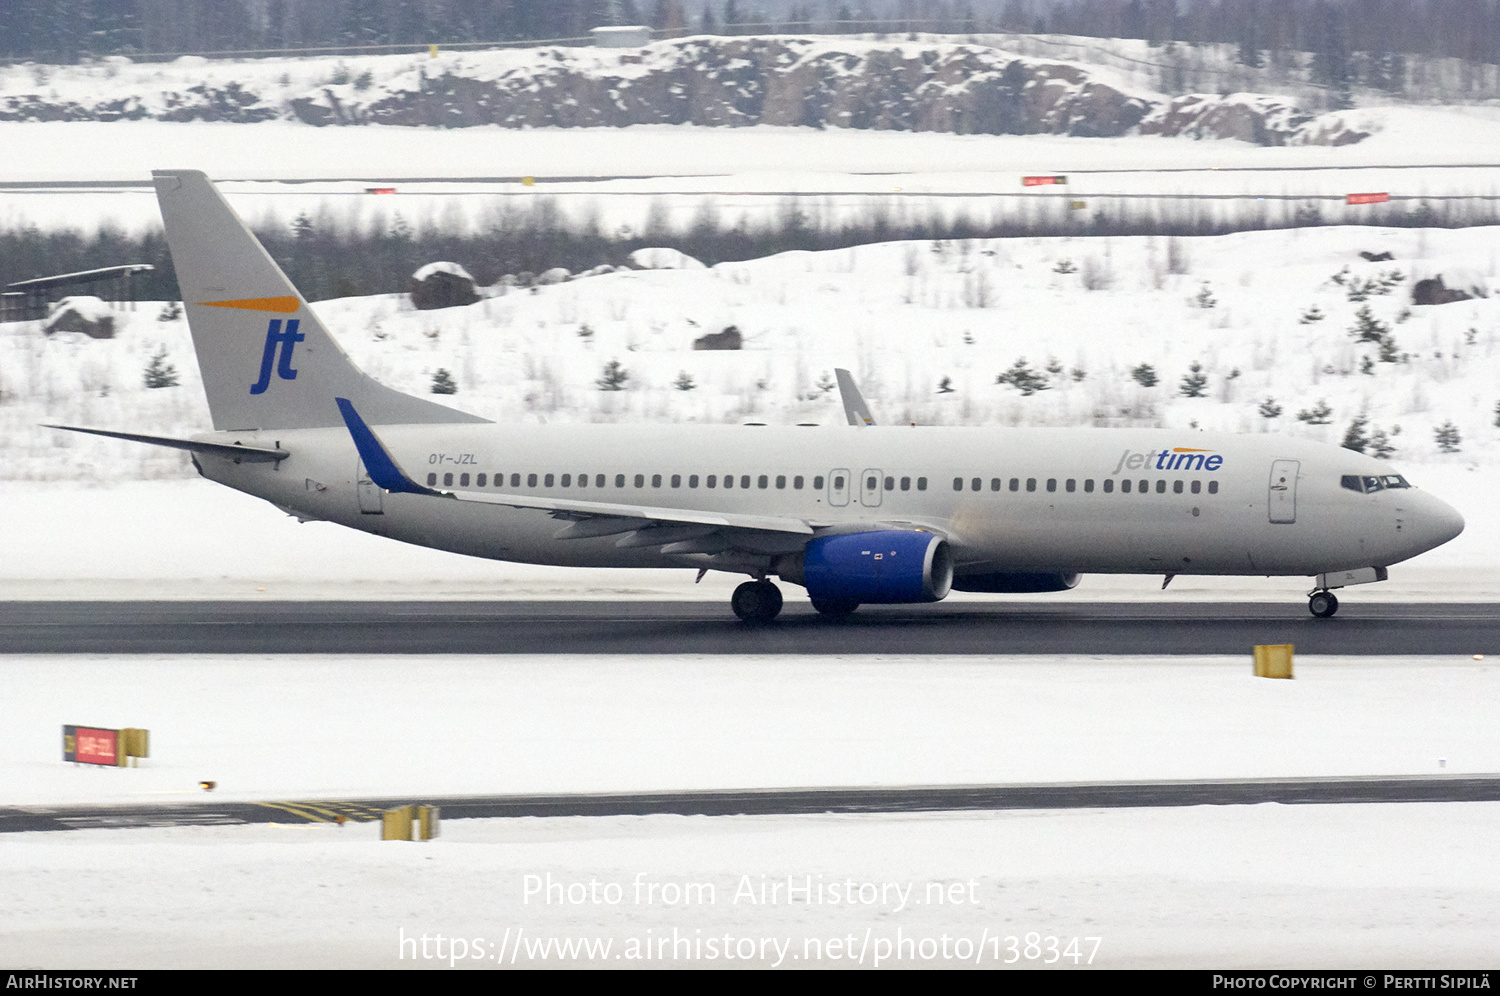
[1014, 584]
[891, 566]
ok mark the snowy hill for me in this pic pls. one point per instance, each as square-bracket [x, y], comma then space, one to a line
[926, 327]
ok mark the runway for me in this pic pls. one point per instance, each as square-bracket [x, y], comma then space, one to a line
[645, 627]
[778, 802]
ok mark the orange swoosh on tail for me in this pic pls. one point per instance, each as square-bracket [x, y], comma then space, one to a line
[284, 305]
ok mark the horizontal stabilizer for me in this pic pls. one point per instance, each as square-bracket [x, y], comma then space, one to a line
[231, 451]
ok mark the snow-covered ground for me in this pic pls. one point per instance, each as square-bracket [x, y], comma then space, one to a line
[279, 727]
[1394, 885]
[1409, 886]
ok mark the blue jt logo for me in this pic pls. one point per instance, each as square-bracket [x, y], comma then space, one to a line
[287, 341]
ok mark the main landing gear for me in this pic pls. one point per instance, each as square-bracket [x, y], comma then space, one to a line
[756, 601]
[1322, 604]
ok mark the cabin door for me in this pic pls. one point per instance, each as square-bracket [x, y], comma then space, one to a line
[1282, 496]
[369, 492]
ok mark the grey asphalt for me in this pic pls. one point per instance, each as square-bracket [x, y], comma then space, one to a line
[644, 627]
[765, 802]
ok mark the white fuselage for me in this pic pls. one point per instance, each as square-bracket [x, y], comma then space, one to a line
[1197, 503]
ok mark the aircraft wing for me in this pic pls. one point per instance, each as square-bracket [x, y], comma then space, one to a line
[676, 530]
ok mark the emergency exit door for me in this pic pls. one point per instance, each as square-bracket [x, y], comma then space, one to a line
[1282, 493]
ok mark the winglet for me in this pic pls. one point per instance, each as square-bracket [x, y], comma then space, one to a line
[378, 463]
[855, 409]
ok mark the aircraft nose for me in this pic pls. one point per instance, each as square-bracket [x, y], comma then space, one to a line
[1439, 521]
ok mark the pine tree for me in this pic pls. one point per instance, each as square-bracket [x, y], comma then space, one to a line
[1355, 437]
[160, 373]
[684, 381]
[1319, 414]
[614, 377]
[1269, 409]
[1023, 378]
[1381, 447]
[1448, 438]
[443, 382]
[1145, 375]
[945, 386]
[1194, 383]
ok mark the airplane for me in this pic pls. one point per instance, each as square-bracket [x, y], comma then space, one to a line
[877, 514]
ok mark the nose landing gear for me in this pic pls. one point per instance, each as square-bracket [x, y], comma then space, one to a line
[756, 601]
[1322, 604]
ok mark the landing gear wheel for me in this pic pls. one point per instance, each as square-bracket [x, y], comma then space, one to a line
[835, 610]
[1322, 604]
[756, 601]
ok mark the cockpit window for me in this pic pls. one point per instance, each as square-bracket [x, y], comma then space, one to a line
[1369, 484]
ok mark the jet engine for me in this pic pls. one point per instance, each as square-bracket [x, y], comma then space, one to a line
[889, 566]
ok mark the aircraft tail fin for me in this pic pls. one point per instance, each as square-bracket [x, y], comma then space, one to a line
[267, 361]
[855, 409]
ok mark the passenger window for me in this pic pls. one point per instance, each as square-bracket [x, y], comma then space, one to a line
[1088, 485]
[1124, 487]
[583, 480]
[1109, 485]
[547, 481]
[640, 480]
[1177, 487]
[906, 484]
[692, 480]
[676, 480]
[761, 482]
[447, 480]
[745, 481]
[729, 480]
[598, 480]
[1161, 487]
[1051, 484]
[975, 484]
[1015, 484]
[567, 480]
[1145, 486]
[431, 480]
[890, 484]
[1072, 485]
[780, 482]
[619, 480]
[1213, 487]
[1031, 484]
[531, 480]
[818, 483]
[921, 484]
[1196, 487]
[463, 480]
[958, 484]
[797, 482]
[712, 481]
[656, 480]
[480, 480]
[994, 484]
